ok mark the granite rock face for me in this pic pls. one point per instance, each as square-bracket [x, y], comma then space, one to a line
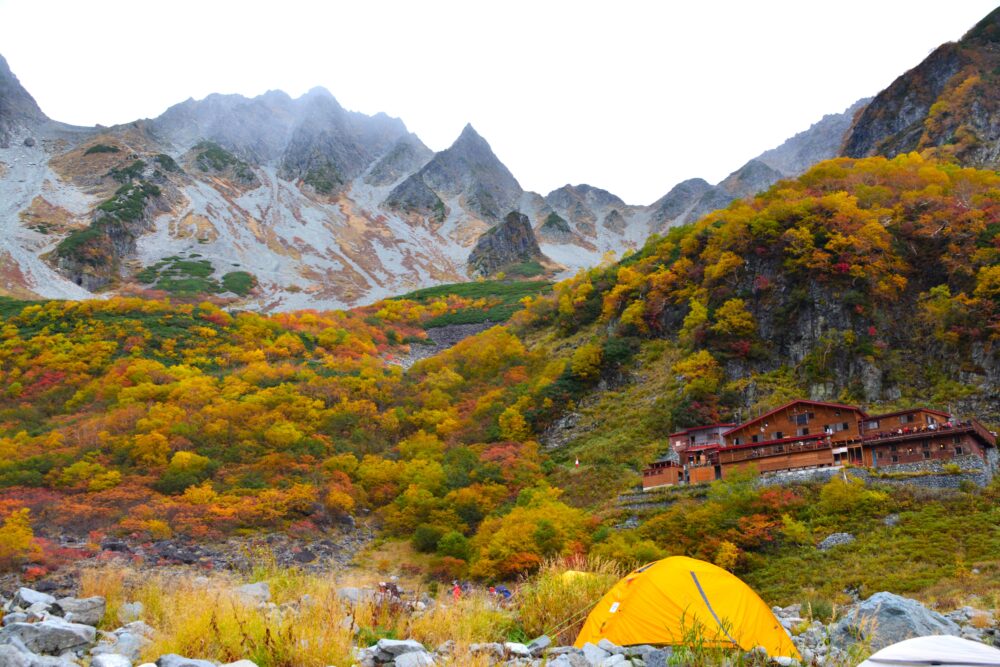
[18, 108]
[510, 242]
[947, 104]
[468, 170]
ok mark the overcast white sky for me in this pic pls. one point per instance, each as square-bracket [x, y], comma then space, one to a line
[629, 96]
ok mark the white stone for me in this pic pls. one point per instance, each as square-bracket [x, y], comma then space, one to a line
[25, 597]
[110, 660]
[594, 654]
[517, 649]
[415, 659]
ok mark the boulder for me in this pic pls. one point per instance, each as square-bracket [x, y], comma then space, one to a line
[15, 617]
[568, 660]
[493, 649]
[616, 660]
[25, 597]
[516, 650]
[538, 645]
[110, 660]
[835, 540]
[130, 611]
[610, 647]
[255, 594]
[174, 660]
[123, 642]
[415, 659]
[51, 637]
[240, 663]
[355, 595]
[11, 657]
[88, 611]
[386, 650]
[885, 619]
[594, 654]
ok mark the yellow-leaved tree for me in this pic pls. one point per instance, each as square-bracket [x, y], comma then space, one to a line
[17, 540]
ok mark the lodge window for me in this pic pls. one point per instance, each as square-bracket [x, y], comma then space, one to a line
[802, 419]
[958, 451]
[894, 458]
[802, 431]
[871, 425]
[892, 448]
[737, 441]
[755, 438]
[927, 454]
[906, 419]
[777, 435]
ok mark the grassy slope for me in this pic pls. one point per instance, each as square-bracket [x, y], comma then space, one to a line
[503, 299]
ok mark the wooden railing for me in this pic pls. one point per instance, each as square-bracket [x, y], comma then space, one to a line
[971, 426]
[732, 456]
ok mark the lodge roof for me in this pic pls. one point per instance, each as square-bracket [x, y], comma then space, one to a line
[695, 429]
[838, 406]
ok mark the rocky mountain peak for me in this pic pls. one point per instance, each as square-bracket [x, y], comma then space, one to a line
[987, 31]
[408, 155]
[469, 170]
[820, 142]
[946, 105]
[750, 179]
[17, 107]
[567, 195]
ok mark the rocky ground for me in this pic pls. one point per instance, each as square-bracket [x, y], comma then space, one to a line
[319, 553]
[41, 630]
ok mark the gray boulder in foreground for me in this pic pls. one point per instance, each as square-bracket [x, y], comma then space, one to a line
[174, 660]
[25, 597]
[53, 636]
[415, 659]
[886, 618]
[11, 657]
[110, 660]
[88, 611]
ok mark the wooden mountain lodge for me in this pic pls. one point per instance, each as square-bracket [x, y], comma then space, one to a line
[813, 434]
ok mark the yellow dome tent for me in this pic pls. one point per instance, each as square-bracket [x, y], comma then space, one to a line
[662, 602]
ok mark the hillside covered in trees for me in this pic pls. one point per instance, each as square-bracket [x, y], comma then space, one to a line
[873, 281]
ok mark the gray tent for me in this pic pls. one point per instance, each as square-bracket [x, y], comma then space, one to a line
[935, 650]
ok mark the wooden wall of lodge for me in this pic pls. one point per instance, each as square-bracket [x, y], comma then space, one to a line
[939, 446]
[783, 422]
[699, 474]
[787, 461]
[661, 476]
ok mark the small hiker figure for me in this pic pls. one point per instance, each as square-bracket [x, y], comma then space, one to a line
[456, 590]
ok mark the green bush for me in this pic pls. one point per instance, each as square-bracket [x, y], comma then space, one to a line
[101, 148]
[425, 538]
[455, 545]
[166, 163]
[129, 173]
[239, 282]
